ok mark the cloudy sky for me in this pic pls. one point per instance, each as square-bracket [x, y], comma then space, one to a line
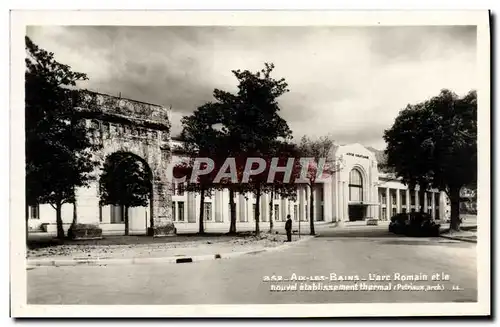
[349, 82]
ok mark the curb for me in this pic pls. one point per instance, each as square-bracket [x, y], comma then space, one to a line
[31, 263]
[459, 239]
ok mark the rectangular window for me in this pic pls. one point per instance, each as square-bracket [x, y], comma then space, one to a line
[207, 211]
[437, 214]
[277, 212]
[403, 197]
[393, 196]
[180, 189]
[355, 193]
[321, 194]
[181, 211]
[35, 212]
[321, 216]
[384, 213]
[394, 211]
[429, 199]
[412, 198]
[404, 210]
[173, 210]
[306, 217]
[295, 208]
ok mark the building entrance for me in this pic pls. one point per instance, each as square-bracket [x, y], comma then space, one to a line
[357, 212]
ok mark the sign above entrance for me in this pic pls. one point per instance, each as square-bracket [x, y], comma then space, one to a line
[357, 155]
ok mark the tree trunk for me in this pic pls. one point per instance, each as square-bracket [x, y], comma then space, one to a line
[232, 226]
[201, 228]
[271, 210]
[455, 208]
[75, 215]
[311, 210]
[59, 222]
[125, 213]
[257, 211]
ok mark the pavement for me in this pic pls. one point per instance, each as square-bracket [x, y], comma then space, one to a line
[306, 270]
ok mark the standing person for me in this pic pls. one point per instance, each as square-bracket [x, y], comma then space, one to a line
[288, 228]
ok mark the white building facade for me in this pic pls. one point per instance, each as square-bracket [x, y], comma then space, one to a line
[357, 191]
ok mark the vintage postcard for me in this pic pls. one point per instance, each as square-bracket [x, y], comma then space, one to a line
[250, 163]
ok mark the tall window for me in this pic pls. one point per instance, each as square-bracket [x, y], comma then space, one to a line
[276, 212]
[355, 186]
[207, 210]
[295, 212]
[181, 211]
[180, 189]
[35, 212]
[173, 211]
[403, 197]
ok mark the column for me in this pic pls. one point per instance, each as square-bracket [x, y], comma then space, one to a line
[264, 208]
[425, 202]
[442, 206]
[341, 202]
[241, 207]
[417, 202]
[302, 202]
[191, 208]
[334, 198]
[388, 204]
[218, 205]
[398, 201]
[408, 202]
[346, 200]
[433, 206]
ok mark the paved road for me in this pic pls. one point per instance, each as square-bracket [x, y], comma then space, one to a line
[240, 280]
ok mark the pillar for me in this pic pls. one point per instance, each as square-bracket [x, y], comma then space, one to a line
[398, 201]
[346, 200]
[433, 205]
[417, 202]
[408, 202]
[302, 201]
[425, 202]
[442, 205]
[218, 206]
[191, 208]
[388, 204]
[327, 201]
[241, 207]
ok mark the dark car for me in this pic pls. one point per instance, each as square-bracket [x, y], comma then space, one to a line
[414, 224]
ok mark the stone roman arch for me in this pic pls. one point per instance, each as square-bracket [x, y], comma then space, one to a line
[143, 129]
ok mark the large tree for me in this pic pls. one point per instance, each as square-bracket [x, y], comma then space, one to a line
[435, 143]
[58, 147]
[319, 165]
[251, 121]
[125, 182]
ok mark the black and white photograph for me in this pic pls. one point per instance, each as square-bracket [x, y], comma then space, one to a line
[257, 164]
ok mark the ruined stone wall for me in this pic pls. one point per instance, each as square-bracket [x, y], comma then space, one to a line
[118, 124]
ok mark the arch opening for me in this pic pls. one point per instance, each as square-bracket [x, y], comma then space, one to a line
[126, 192]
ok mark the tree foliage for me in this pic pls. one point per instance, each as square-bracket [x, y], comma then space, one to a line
[250, 123]
[320, 166]
[434, 143]
[125, 181]
[58, 148]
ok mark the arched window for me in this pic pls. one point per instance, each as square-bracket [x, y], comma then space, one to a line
[355, 186]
